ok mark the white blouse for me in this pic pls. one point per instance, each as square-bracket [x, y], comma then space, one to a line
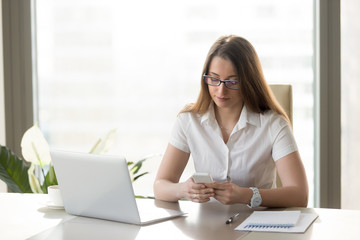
[247, 159]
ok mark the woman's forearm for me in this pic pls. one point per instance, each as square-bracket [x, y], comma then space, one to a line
[290, 196]
[168, 191]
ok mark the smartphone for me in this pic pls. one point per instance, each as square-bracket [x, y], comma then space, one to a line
[202, 178]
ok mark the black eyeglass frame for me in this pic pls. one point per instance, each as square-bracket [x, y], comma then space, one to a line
[220, 81]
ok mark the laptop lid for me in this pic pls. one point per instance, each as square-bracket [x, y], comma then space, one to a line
[100, 186]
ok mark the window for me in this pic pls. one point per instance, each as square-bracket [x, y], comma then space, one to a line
[134, 65]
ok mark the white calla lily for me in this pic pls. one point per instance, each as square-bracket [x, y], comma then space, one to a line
[34, 181]
[34, 147]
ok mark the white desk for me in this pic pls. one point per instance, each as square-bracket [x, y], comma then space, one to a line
[24, 216]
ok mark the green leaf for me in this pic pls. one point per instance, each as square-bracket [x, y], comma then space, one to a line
[144, 197]
[137, 166]
[135, 169]
[140, 175]
[14, 171]
[102, 146]
[51, 177]
[93, 149]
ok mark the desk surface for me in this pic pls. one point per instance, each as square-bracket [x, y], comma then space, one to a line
[25, 216]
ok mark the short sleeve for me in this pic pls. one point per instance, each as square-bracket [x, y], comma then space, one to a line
[284, 142]
[178, 135]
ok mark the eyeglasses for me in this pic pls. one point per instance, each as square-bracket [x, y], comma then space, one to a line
[213, 81]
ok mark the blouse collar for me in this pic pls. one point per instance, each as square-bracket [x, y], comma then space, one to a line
[246, 116]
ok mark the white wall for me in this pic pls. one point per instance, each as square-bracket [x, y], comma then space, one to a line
[2, 105]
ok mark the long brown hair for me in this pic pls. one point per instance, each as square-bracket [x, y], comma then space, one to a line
[255, 92]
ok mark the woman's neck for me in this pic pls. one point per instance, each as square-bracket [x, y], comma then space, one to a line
[226, 117]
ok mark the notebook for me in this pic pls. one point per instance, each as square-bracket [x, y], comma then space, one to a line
[99, 186]
[277, 221]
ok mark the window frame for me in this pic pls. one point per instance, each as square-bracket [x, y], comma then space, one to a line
[327, 104]
[18, 71]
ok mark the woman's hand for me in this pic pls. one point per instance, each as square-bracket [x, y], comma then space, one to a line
[197, 192]
[226, 192]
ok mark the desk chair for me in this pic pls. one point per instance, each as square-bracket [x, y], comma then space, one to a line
[283, 94]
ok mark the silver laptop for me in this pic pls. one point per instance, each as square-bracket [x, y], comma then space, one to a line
[99, 186]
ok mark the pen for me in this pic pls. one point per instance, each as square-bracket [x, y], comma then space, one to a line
[233, 218]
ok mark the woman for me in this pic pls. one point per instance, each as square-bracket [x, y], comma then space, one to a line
[237, 132]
